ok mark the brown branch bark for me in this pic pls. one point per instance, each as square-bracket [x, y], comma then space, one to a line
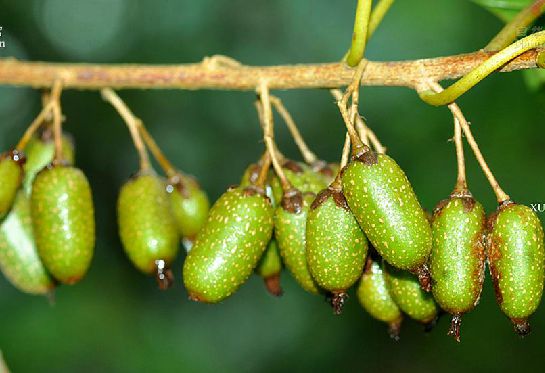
[233, 76]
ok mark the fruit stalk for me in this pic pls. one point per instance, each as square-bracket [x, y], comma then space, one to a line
[361, 29]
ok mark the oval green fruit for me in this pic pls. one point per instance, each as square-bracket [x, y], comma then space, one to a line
[290, 224]
[301, 177]
[336, 246]
[63, 222]
[19, 259]
[517, 262]
[408, 295]
[270, 267]
[40, 152]
[375, 297]
[147, 227]
[383, 201]
[11, 175]
[458, 259]
[190, 205]
[229, 246]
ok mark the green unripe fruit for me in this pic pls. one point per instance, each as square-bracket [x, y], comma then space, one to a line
[269, 268]
[457, 259]
[147, 227]
[190, 205]
[40, 152]
[290, 224]
[229, 246]
[11, 175]
[301, 177]
[375, 297]
[407, 294]
[336, 246]
[517, 262]
[383, 201]
[63, 222]
[19, 259]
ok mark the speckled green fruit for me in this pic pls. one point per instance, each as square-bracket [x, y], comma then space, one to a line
[40, 152]
[457, 259]
[290, 231]
[63, 222]
[146, 223]
[375, 297]
[301, 177]
[11, 175]
[383, 201]
[270, 267]
[336, 246]
[19, 259]
[190, 205]
[407, 294]
[517, 262]
[229, 246]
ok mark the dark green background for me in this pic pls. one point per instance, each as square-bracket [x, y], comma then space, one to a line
[116, 319]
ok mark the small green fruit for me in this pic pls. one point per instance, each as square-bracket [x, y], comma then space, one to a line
[147, 227]
[517, 262]
[19, 259]
[40, 152]
[336, 246]
[269, 268]
[383, 201]
[11, 175]
[63, 222]
[457, 258]
[408, 295]
[375, 297]
[190, 205]
[301, 177]
[290, 224]
[229, 246]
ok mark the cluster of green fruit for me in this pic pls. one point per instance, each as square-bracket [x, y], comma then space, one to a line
[332, 229]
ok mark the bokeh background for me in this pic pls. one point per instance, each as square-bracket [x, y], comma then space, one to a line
[116, 320]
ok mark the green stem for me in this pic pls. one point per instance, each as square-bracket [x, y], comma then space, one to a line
[379, 11]
[465, 83]
[359, 37]
[512, 30]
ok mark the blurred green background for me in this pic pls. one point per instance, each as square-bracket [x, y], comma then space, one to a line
[116, 319]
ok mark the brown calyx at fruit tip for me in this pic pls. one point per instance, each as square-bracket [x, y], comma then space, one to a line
[424, 277]
[394, 329]
[16, 156]
[252, 190]
[367, 157]
[323, 168]
[292, 166]
[337, 301]
[292, 201]
[521, 326]
[455, 323]
[272, 283]
[163, 275]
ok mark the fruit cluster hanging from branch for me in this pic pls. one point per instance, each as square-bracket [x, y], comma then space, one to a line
[333, 226]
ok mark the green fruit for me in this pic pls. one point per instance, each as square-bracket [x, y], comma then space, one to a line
[457, 258]
[40, 152]
[269, 268]
[147, 227]
[517, 262]
[63, 222]
[375, 297]
[336, 246]
[229, 246]
[290, 224]
[190, 205]
[384, 203]
[411, 299]
[301, 177]
[19, 259]
[11, 175]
